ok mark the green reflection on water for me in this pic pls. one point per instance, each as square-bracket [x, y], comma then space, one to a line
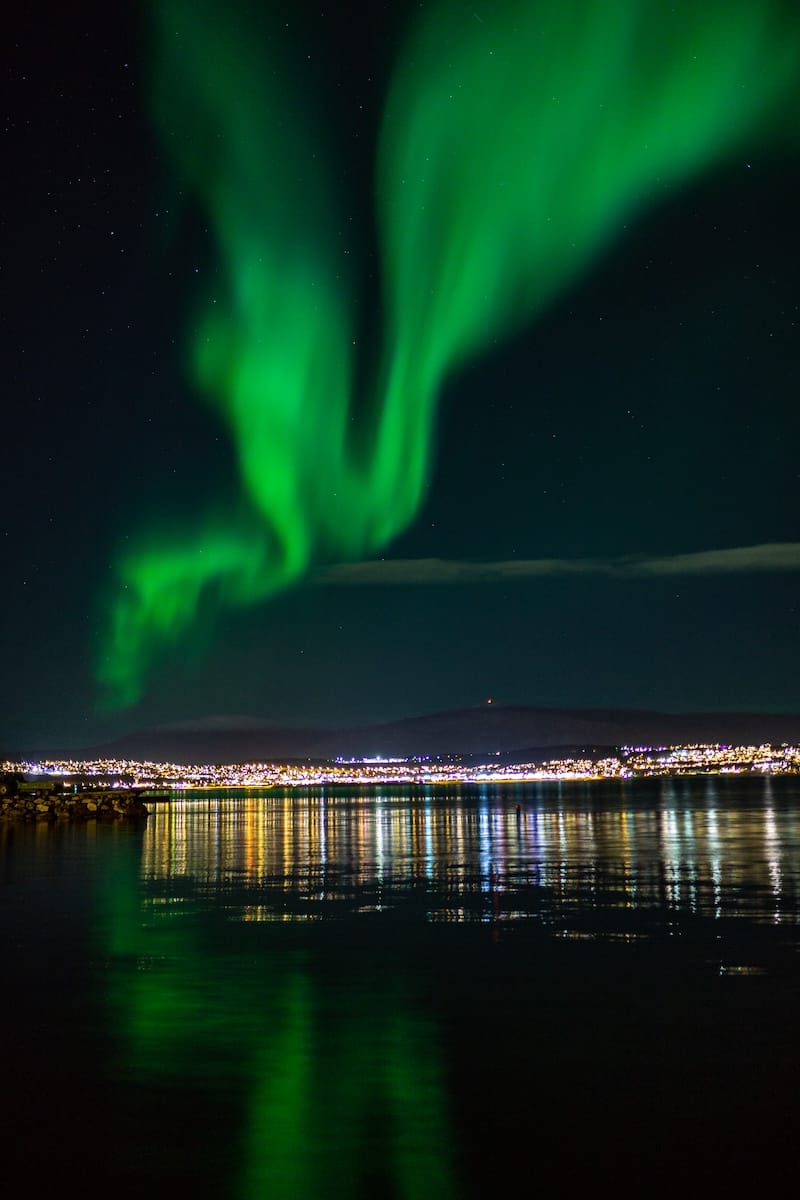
[332, 1068]
[346, 1101]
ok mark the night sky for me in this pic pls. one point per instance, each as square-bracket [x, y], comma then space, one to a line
[588, 461]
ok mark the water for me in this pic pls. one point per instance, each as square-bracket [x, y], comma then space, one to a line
[407, 995]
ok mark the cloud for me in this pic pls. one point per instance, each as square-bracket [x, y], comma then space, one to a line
[214, 724]
[771, 556]
[737, 560]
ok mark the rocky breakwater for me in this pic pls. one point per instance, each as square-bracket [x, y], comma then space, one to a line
[19, 801]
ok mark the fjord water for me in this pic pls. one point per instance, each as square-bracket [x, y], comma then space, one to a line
[445, 993]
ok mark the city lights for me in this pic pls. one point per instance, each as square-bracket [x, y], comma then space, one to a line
[627, 762]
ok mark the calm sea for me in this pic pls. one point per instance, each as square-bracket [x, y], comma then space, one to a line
[444, 993]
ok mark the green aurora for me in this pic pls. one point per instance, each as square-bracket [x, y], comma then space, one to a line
[515, 144]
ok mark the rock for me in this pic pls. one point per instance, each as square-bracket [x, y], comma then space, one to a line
[41, 805]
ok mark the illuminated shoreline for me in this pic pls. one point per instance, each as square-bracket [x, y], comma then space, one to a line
[627, 763]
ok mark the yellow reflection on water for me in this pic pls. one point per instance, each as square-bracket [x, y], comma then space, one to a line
[304, 853]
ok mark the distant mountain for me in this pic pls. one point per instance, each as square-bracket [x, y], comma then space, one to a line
[513, 732]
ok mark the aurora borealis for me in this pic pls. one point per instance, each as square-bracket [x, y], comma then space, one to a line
[296, 292]
[511, 150]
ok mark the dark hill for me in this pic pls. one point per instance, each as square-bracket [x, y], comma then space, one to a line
[487, 730]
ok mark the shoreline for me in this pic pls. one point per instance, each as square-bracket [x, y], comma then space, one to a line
[100, 805]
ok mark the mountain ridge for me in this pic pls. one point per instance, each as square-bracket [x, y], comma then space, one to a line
[508, 730]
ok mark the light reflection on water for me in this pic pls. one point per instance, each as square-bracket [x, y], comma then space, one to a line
[557, 854]
[341, 995]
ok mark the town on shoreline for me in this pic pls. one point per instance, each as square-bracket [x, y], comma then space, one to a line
[624, 763]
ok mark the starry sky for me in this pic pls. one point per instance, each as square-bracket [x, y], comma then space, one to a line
[608, 514]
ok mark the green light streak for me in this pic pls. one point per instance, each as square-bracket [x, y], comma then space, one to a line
[310, 1058]
[516, 143]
